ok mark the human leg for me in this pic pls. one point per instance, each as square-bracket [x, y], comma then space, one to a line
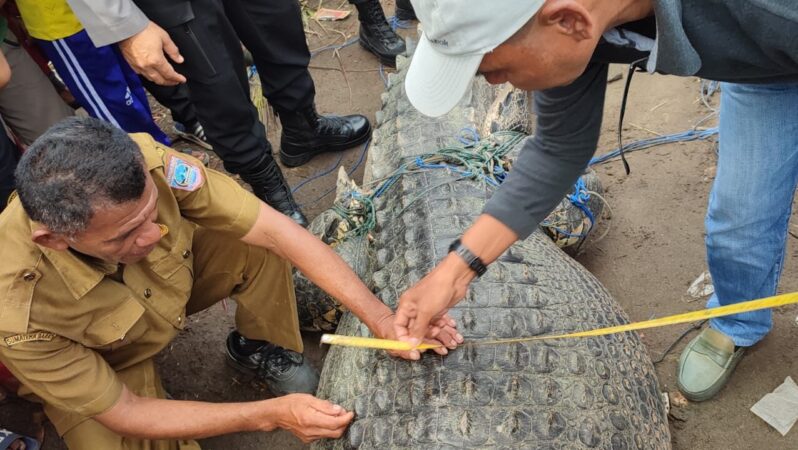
[143, 380]
[28, 103]
[404, 10]
[267, 337]
[747, 218]
[184, 115]
[219, 90]
[272, 31]
[103, 83]
[751, 201]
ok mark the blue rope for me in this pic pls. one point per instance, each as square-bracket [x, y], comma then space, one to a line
[334, 47]
[396, 23]
[579, 198]
[469, 136]
[330, 169]
[685, 136]
[319, 174]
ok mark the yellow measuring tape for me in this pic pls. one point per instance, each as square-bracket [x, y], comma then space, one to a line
[694, 316]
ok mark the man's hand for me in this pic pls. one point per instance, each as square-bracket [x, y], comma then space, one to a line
[426, 303]
[310, 418]
[442, 331]
[145, 50]
[446, 285]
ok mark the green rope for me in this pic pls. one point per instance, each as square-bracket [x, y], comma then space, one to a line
[483, 160]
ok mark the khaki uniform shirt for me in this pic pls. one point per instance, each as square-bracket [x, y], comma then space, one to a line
[71, 325]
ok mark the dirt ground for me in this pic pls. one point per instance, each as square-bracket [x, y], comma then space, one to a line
[652, 252]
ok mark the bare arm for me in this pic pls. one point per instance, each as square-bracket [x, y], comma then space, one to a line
[279, 234]
[307, 417]
[322, 266]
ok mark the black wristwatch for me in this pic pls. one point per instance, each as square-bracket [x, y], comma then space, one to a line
[473, 261]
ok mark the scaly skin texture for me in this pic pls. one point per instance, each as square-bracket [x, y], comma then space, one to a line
[559, 394]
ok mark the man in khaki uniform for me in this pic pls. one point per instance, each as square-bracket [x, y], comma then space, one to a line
[103, 260]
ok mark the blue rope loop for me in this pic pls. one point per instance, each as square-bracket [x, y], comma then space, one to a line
[579, 198]
[397, 23]
[469, 136]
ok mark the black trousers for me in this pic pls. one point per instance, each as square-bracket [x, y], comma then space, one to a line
[175, 98]
[211, 41]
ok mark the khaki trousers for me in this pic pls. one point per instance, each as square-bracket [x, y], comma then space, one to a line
[262, 285]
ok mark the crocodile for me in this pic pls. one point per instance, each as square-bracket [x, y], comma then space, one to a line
[599, 392]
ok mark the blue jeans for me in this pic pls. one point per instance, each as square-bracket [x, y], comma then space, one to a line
[751, 201]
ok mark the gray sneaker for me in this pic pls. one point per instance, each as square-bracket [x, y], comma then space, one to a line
[282, 370]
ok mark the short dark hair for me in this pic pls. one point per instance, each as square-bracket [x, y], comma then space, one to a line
[77, 165]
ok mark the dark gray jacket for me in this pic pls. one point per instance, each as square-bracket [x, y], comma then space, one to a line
[745, 41]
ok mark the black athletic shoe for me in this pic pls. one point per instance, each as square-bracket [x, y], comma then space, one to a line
[283, 371]
[376, 35]
[307, 134]
[193, 133]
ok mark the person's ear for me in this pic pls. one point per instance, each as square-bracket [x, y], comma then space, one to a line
[47, 238]
[568, 17]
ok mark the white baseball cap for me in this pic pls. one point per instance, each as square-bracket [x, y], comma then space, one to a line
[456, 35]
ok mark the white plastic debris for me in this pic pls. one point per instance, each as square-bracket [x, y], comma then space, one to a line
[702, 286]
[779, 408]
[666, 401]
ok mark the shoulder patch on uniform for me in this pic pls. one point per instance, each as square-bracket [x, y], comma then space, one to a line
[181, 174]
[29, 337]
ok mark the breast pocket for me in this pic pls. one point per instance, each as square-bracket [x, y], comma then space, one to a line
[117, 328]
[168, 290]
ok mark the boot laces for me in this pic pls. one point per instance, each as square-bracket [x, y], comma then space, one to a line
[274, 360]
[271, 178]
[376, 17]
[330, 124]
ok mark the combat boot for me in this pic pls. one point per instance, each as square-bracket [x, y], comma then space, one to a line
[268, 184]
[307, 134]
[282, 370]
[376, 35]
[404, 10]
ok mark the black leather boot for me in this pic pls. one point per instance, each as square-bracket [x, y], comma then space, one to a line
[404, 10]
[268, 184]
[376, 35]
[307, 133]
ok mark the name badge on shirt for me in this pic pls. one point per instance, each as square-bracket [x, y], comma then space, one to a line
[29, 337]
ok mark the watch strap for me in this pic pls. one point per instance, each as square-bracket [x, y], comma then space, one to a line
[473, 261]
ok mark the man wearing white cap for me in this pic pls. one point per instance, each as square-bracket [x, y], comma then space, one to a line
[561, 49]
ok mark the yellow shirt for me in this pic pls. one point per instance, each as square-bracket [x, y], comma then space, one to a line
[70, 326]
[48, 19]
